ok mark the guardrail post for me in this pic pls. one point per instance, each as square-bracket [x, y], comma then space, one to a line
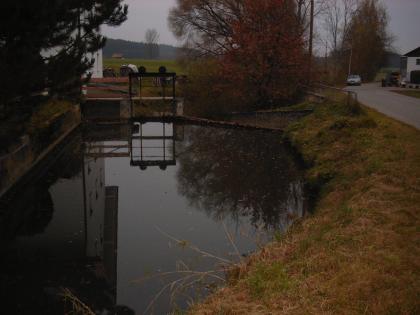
[130, 95]
[174, 95]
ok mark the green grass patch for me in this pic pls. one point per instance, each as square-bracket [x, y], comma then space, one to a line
[147, 108]
[266, 280]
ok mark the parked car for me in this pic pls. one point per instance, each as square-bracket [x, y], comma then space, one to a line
[391, 79]
[354, 79]
[125, 70]
[403, 83]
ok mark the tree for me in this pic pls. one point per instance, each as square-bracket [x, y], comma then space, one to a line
[268, 56]
[336, 19]
[152, 39]
[337, 16]
[303, 12]
[259, 44]
[45, 43]
[205, 25]
[367, 38]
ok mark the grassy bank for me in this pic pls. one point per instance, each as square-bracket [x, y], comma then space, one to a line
[151, 65]
[412, 93]
[358, 253]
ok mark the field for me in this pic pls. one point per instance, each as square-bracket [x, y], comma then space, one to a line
[150, 65]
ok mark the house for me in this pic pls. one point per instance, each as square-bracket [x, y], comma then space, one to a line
[410, 66]
[117, 56]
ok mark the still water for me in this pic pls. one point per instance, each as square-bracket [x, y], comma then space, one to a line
[143, 218]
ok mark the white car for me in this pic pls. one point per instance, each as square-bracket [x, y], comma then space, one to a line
[354, 79]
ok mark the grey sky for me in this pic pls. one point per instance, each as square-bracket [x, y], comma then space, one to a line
[404, 23]
[144, 14]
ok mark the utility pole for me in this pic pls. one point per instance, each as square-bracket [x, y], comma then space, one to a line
[351, 56]
[311, 38]
[326, 61]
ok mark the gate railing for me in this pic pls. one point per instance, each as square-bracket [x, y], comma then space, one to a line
[160, 82]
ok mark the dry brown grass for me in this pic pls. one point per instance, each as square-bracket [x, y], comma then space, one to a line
[359, 253]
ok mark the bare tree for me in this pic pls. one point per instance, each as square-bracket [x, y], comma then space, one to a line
[303, 12]
[349, 9]
[152, 40]
[205, 25]
[337, 16]
[333, 23]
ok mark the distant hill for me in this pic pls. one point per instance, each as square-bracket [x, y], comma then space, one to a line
[136, 50]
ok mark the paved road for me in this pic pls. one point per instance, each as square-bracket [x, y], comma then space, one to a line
[400, 107]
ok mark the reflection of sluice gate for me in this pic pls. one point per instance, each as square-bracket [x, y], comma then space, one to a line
[145, 143]
[108, 150]
[104, 141]
[153, 146]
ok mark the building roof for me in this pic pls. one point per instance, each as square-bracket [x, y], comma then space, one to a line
[413, 53]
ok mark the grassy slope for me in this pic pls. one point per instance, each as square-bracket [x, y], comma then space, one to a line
[359, 252]
[412, 93]
[151, 65]
[47, 112]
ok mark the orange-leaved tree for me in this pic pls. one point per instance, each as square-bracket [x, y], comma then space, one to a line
[258, 47]
[267, 56]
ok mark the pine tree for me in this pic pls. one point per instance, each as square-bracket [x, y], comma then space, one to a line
[43, 43]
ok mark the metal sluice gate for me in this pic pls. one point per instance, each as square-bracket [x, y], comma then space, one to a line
[162, 82]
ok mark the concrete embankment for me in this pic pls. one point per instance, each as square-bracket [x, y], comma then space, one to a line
[35, 146]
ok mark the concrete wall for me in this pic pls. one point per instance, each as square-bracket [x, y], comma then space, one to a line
[95, 204]
[29, 152]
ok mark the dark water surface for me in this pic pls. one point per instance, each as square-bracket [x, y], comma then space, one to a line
[122, 215]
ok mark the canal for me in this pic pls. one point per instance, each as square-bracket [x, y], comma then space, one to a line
[142, 218]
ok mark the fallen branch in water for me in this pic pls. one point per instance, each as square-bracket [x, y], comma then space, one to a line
[184, 243]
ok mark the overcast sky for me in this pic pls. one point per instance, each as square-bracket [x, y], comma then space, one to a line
[144, 14]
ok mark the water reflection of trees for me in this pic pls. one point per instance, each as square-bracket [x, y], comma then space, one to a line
[236, 173]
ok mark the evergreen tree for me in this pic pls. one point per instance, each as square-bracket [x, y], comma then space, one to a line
[43, 43]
